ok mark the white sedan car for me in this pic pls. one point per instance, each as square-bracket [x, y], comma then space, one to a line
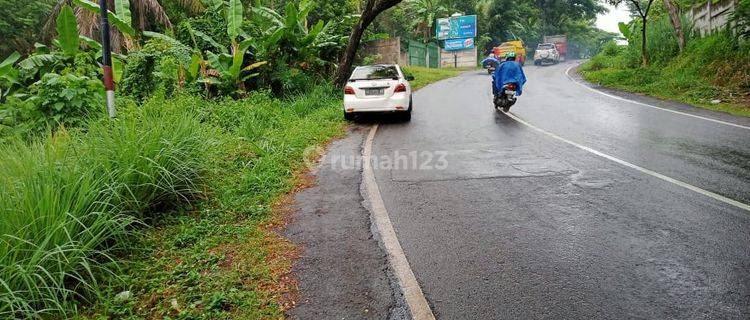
[378, 88]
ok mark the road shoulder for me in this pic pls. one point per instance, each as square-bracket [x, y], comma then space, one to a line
[574, 75]
[342, 271]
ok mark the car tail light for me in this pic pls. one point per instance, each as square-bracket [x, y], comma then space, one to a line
[511, 86]
[348, 90]
[400, 88]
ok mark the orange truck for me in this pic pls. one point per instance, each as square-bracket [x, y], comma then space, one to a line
[511, 46]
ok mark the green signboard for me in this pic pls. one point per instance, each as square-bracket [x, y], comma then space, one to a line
[460, 27]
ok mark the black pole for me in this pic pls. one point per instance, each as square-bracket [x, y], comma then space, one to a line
[109, 83]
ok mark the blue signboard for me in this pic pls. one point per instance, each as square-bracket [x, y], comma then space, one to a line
[458, 44]
[456, 27]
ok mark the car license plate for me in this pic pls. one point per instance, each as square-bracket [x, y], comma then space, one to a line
[374, 92]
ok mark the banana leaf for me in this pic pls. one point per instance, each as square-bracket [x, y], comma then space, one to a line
[67, 31]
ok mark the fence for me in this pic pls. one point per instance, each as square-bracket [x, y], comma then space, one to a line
[417, 53]
[710, 17]
[423, 55]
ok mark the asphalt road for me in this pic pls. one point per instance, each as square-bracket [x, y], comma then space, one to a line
[501, 221]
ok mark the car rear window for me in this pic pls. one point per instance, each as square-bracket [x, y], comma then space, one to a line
[374, 72]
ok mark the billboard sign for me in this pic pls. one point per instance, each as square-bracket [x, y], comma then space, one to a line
[456, 27]
[458, 44]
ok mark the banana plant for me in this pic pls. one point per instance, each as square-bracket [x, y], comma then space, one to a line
[8, 75]
[228, 68]
[291, 35]
[217, 68]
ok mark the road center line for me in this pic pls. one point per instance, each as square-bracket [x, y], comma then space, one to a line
[415, 299]
[567, 73]
[636, 167]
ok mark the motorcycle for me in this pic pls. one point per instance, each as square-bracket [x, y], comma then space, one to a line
[505, 99]
[490, 63]
[490, 69]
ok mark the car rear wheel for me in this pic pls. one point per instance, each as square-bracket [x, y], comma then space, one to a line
[349, 116]
[406, 115]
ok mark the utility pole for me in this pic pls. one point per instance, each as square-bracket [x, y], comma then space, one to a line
[109, 83]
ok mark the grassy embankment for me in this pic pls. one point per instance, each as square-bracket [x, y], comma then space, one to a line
[165, 207]
[424, 76]
[709, 69]
[165, 212]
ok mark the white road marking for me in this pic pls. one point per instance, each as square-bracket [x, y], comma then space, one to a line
[567, 73]
[636, 167]
[418, 306]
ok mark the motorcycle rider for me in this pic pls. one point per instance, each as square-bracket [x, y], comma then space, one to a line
[508, 71]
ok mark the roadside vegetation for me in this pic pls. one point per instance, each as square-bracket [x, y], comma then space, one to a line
[424, 76]
[167, 211]
[220, 257]
[712, 71]
[503, 20]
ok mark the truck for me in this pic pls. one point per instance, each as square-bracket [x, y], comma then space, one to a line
[561, 44]
[516, 46]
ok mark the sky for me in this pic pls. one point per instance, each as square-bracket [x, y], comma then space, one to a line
[609, 21]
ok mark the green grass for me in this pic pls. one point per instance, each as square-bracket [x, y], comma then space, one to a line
[219, 259]
[424, 76]
[166, 212]
[70, 201]
[715, 67]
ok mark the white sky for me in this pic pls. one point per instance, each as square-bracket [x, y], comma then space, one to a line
[608, 21]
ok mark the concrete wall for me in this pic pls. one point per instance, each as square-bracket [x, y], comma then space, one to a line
[464, 58]
[388, 49]
[710, 17]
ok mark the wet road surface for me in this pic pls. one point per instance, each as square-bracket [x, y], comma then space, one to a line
[499, 221]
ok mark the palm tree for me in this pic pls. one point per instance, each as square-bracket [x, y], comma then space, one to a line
[142, 12]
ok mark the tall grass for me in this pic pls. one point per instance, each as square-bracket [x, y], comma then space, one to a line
[69, 201]
[219, 258]
[57, 215]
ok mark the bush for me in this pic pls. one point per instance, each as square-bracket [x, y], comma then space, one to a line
[154, 68]
[67, 100]
[611, 49]
[70, 200]
[55, 101]
[713, 67]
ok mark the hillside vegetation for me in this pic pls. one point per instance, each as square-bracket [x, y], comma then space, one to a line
[712, 72]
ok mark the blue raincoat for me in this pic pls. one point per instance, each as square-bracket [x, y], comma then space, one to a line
[508, 72]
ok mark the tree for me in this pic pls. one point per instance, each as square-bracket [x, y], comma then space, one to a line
[370, 11]
[142, 13]
[504, 17]
[741, 18]
[642, 7]
[557, 15]
[20, 24]
[673, 10]
[426, 12]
